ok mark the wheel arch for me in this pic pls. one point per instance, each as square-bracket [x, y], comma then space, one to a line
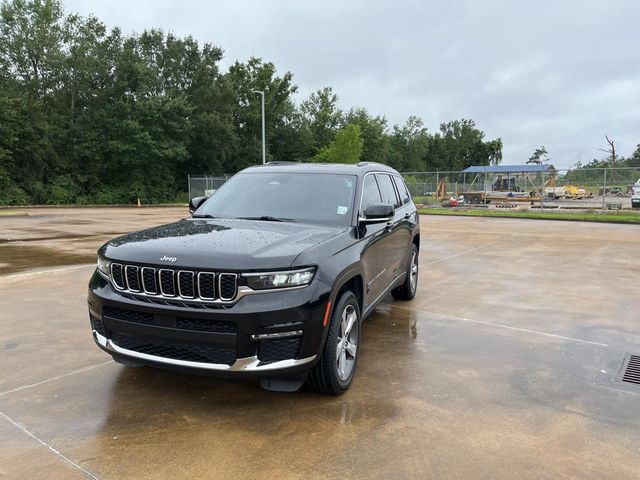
[351, 279]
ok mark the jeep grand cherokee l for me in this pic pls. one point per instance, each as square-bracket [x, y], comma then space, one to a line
[269, 278]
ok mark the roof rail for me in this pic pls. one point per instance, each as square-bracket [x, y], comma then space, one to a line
[364, 164]
[280, 162]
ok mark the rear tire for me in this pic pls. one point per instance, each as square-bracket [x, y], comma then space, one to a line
[334, 373]
[407, 291]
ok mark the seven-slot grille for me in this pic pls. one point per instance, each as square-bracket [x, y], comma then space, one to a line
[167, 282]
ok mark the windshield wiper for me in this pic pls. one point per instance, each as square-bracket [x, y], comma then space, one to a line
[206, 215]
[268, 218]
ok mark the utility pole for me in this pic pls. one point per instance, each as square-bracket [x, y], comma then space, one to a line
[264, 140]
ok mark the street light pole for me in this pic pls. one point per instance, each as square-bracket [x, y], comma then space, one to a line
[264, 141]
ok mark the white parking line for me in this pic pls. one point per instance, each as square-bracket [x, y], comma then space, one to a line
[52, 449]
[499, 325]
[57, 377]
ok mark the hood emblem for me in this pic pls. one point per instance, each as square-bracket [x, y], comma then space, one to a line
[169, 259]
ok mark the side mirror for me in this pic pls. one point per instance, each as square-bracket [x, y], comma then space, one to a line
[195, 202]
[378, 213]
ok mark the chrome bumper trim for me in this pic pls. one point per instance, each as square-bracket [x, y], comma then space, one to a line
[268, 336]
[246, 364]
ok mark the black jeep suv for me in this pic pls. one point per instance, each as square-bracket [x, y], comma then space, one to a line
[269, 278]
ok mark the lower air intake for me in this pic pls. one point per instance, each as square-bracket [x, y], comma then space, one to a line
[177, 351]
[279, 349]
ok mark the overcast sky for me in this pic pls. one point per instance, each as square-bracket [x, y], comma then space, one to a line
[560, 74]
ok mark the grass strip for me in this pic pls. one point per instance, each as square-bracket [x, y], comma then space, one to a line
[11, 213]
[590, 216]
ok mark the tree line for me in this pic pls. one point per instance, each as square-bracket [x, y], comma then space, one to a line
[91, 115]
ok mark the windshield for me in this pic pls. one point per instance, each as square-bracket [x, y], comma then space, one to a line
[315, 198]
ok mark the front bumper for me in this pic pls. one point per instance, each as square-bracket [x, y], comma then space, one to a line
[268, 335]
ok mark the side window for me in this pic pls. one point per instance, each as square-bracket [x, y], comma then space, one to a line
[370, 192]
[402, 190]
[388, 191]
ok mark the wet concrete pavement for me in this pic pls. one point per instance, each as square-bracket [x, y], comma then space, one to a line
[504, 366]
[45, 237]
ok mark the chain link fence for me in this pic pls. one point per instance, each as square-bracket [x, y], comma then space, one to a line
[580, 188]
[204, 185]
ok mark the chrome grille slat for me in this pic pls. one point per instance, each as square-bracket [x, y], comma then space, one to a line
[149, 284]
[175, 283]
[227, 286]
[132, 278]
[117, 275]
[167, 281]
[206, 285]
[186, 287]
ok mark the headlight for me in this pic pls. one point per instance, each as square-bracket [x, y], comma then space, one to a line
[292, 278]
[104, 266]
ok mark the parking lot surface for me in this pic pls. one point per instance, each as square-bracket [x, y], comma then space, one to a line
[506, 365]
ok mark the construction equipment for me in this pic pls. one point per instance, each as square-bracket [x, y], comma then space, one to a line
[505, 189]
[506, 183]
[441, 192]
[550, 190]
[576, 193]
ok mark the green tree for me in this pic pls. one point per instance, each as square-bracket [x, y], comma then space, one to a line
[460, 144]
[245, 79]
[345, 148]
[372, 131]
[31, 39]
[31, 58]
[409, 146]
[539, 156]
[634, 160]
[322, 116]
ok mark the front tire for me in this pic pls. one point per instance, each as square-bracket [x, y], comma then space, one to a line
[407, 291]
[334, 373]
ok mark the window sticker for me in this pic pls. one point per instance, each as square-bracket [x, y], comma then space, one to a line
[342, 210]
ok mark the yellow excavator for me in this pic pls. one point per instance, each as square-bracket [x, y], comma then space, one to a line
[572, 192]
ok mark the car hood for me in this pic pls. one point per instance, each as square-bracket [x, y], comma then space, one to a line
[220, 244]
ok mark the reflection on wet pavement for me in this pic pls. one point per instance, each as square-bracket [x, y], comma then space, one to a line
[19, 257]
[55, 237]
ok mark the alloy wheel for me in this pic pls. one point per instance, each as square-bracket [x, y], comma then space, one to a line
[413, 280]
[346, 349]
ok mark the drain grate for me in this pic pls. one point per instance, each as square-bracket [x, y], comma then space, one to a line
[632, 371]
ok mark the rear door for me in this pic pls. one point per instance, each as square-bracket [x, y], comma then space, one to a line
[395, 247]
[377, 239]
[407, 214]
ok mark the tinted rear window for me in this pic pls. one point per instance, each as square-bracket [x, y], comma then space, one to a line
[387, 189]
[402, 190]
